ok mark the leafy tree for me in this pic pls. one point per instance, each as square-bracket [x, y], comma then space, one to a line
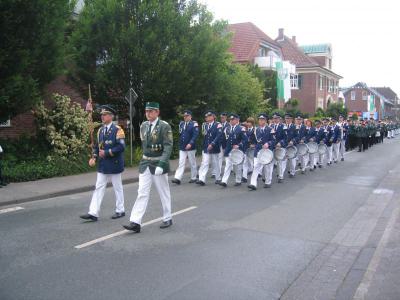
[31, 50]
[168, 51]
[336, 109]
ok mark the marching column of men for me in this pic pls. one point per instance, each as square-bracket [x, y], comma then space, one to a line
[331, 136]
[247, 149]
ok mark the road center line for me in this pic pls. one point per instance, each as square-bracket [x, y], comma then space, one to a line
[118, 233]
[10, 209]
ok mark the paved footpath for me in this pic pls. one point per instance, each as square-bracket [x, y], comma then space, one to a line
[330, 234]
[21, 192]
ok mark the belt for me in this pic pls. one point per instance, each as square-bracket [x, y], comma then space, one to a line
[151, 158]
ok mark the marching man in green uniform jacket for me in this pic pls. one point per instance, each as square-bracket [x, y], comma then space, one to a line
[156, 136]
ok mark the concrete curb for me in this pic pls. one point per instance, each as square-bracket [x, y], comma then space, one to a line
[71, 191]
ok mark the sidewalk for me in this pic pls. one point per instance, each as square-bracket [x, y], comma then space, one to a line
[20, 192]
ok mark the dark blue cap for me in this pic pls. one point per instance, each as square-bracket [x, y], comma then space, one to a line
[106, 109]
[263, 116]
[187, 112]
[299, 116]
[276, 115]
[224, 114]
[233, 116]
[209, 113]
[288, 115]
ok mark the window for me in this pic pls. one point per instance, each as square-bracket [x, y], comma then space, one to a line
[330, 85]
[262, 52]
[6, 123]
[321, 82]
[353, 95]
[365, 95]
[294, 81]
[299, 81]
[320, 103]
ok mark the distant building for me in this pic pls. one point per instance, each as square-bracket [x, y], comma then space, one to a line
[370, 102]
[250, 45]
[314, 84]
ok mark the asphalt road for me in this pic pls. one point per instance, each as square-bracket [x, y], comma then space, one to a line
[311, 237]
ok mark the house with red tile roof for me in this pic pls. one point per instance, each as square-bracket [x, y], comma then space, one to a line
[315, 84]
[358, 99]
[250, 45]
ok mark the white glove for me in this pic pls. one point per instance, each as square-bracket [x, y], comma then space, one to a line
[158, 171]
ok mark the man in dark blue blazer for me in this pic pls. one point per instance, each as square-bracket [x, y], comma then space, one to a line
[188, 133]
[108, 152]
[212, 131]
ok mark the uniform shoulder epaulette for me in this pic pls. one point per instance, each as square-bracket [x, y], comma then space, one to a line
[243, 128]
[195, 124]
[164, 122]
[219, 125]
[120, 132]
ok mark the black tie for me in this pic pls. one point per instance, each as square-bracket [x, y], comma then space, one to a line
[149, 129]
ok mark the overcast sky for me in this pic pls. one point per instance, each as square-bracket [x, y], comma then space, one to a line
[365, 35]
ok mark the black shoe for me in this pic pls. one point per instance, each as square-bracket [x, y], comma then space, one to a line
[223, 184]
[267, 186]
[88, 217]
[212, 176]
[291, 176]
[238, 184]
[315, 167]
[176, 181]
[263, 179]
[201, 183]
[118, 215]
[244, 180]
[320, 166]
[217, 181]
[132, 227]
[251, 187]
[280, 180]
[166, 224]
[342, 159]
[303, 172]
[335, 161]
[192, 180]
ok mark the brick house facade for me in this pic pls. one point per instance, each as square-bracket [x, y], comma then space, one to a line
[24, 124]
[315, 85]
[357, 101]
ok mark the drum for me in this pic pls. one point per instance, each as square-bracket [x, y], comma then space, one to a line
[302, 149]
[279, 153]
[322, 149]
[236, 156]
[291, 152]
[312, 147]
[265, 156]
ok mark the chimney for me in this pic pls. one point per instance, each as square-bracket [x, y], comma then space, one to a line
[280, 34]
[294, 39]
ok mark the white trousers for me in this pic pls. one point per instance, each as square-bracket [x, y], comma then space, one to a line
[313, 158]
[205, 164]
[281, 167]
[220, 161]
[228, 169]
[265, 170]
[248, 164]
[145, 181]
[191, 156]
[336, 150]
[321, 158]
[330, 153]
[304, 161]
[342, 148]
[292, 165]
[98, 194]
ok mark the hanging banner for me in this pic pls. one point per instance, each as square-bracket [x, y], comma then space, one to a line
[283, 69]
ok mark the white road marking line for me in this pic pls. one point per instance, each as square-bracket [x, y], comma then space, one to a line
[365, 284]
[6, 210]
[118, 233]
